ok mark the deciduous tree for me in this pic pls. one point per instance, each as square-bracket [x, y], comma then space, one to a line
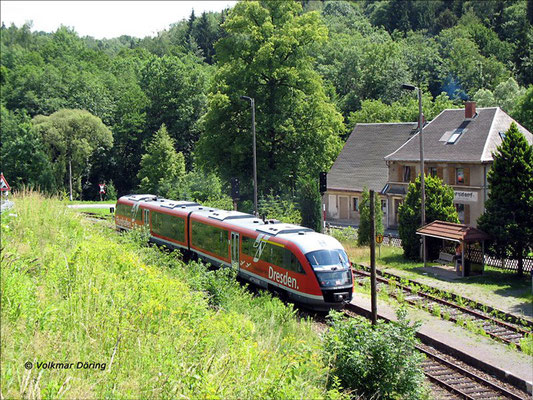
[267, 55]
[71, 138]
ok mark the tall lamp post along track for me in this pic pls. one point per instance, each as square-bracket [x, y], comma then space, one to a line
[422, 173]
[252, 104]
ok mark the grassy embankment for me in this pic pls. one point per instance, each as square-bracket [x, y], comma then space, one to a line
[74, 291]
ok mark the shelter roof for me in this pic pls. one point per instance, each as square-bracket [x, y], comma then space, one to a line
[451, 231]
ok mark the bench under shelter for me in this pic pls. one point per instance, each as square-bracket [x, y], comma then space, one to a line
[459, 233]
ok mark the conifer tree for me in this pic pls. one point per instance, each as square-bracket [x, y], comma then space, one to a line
[508, 216]
[363, 233]
[161, 165]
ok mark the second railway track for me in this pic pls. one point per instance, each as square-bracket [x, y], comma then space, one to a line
[494, 328]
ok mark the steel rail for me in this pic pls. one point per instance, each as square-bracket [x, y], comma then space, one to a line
[518, 320]
[463, 372]
[500, 336]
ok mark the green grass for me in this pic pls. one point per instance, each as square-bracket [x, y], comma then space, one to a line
[74, 291]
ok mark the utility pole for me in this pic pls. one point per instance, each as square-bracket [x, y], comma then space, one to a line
[422, 172]
[373, 285]
[252, 103]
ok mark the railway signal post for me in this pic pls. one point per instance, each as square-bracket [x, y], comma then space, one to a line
[235, 192]
[323, 189]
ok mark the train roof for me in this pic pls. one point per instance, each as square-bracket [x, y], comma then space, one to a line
[160, 201]
[305, 238]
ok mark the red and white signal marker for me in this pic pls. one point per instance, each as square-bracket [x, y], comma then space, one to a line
[4, 186]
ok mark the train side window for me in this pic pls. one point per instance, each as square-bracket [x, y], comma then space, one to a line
[272, 254]
[210, 238]
[291, 263]
[247, 246]
[170, 226]
[136, 213]
[124, 210]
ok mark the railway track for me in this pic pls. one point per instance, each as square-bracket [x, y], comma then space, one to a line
[461, 382]
[451, 378]
[497, 329]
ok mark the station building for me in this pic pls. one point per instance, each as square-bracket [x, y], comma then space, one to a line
[458, 147]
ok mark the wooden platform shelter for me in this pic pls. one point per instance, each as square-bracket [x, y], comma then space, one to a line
[460, 233]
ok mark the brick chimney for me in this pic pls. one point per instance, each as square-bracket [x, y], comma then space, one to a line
[470, 109]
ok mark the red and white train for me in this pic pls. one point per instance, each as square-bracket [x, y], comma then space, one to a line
[310, 268]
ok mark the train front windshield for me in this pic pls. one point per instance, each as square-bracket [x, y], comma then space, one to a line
[332, 267]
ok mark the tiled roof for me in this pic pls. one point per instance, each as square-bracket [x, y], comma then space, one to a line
[479, 138]
[361, 161]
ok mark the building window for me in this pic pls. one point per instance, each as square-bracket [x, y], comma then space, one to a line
[407, 173]
[460, 176]
[384, 206]
[460, 212]
[356, 204]
[432, 171]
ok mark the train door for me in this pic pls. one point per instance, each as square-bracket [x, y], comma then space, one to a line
[235, 250]
[146, 218]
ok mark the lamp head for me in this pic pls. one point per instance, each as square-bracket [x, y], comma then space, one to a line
[408, 87]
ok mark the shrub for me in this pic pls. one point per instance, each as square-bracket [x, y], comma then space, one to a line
[344, 234]
[375, 361]
[111, 191]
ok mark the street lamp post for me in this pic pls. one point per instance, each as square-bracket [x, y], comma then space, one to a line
[252, 103]
[422, 180]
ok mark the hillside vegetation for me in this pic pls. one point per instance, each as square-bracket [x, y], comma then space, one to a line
[314, 68]
[77, 291]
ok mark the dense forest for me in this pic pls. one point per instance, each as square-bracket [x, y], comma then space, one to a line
[143, 114]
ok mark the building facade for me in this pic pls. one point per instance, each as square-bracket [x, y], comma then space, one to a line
[458, 147]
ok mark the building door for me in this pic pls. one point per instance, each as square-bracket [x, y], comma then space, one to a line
[343, 207]
[235, 250]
